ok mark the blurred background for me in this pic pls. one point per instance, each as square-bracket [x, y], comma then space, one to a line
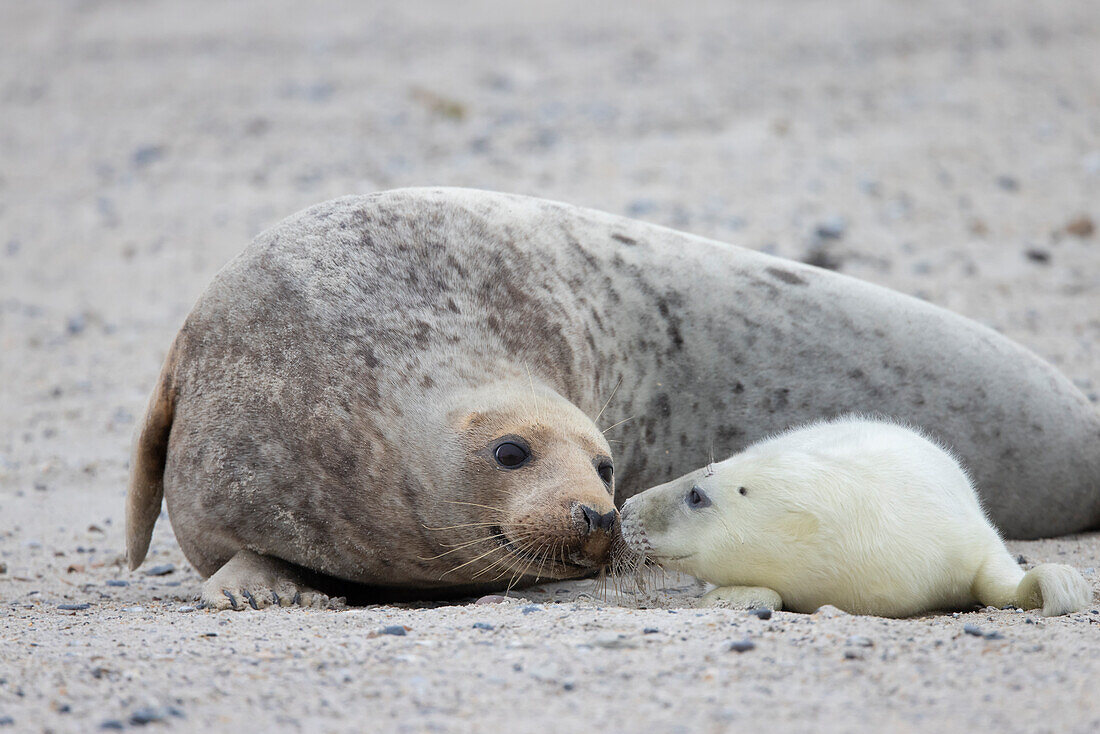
[948, 149]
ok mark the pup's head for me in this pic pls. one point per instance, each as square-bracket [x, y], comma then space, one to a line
[728, 523]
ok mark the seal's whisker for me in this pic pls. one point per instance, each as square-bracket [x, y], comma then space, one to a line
[532, 557]
[482, 525]
[465, 544]
[473, 560]
[524, 543]
[608, 401]
[520, 572]
[543, 554]
[616, 425]
[501, 510]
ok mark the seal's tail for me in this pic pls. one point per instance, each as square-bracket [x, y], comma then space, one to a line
[1054, 588]
[146, 490]
[1058, 589]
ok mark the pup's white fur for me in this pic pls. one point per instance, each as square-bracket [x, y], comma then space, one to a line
[867, 515]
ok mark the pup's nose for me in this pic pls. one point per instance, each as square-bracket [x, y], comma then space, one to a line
[594, 521]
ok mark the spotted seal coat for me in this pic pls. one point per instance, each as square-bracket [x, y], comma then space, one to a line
[339, 389]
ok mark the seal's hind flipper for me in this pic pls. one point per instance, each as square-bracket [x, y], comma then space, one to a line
[1057, 588]
[146, 490]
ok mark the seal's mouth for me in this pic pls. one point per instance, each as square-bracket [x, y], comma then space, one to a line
[668, 559]
[537, 556]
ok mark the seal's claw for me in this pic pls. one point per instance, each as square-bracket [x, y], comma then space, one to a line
[262, 582]
[232, 599]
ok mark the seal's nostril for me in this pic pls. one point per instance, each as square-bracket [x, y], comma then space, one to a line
[594, 521]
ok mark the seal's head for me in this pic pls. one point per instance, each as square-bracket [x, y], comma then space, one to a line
[533, 491]
[730, 523]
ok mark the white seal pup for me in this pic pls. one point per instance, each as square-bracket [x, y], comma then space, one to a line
[866, 515]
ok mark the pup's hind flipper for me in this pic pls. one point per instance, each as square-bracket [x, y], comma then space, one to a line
[1057, 588]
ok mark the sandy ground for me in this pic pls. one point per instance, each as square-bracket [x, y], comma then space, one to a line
[950, 150]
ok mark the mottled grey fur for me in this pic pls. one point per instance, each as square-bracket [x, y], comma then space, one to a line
[305, 388]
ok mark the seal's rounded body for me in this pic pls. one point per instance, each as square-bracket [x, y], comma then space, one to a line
[332, 394]
[864, 515]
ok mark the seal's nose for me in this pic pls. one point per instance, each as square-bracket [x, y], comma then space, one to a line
[594, 521]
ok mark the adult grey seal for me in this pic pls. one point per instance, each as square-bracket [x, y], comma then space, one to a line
[335, 405]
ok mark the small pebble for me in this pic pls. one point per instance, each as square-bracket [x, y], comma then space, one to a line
[568, 686]
[832, 228]
[1021, 560]
[146, 154]
[491, 599]
[393, 629]
[117, 582]
[762, 613]
[162, 570]
[76, 324]
[482, 626]
[819, 257]
[828, 612]
[531, 608]
[112, 724]
[1037, 255]
[73, 607]
[186, 608]
[617, 642]
[741, 645]
[973, 629]
[6, 721]
[654, 630]
[860, 641]
[1081, 227]
[853, 655]
[143, 716]
[1008, 183]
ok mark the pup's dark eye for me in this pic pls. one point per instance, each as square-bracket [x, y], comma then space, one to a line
[697, 498]
[511, 455]
[606, 472]
[743, 491]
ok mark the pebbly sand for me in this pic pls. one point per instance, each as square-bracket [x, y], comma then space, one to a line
[948, 150]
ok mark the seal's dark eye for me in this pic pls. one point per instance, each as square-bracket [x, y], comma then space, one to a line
[697, 499]
[743, 491]
[511, 455]
[606, 472]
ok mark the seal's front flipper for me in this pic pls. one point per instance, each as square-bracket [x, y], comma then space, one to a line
[250, 580]
[742, 597]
